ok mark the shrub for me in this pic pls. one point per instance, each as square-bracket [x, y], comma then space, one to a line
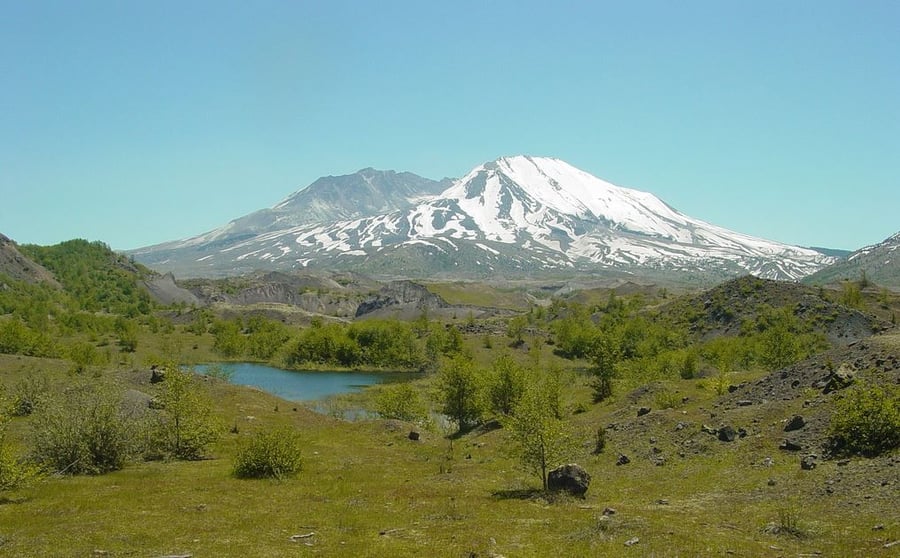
[866, 420]
[14, 472]
[270, 454]
[30, 393]
[86, 433]
[401, 402]
[185, 424]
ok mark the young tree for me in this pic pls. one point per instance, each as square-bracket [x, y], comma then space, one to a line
[506, 384]
[401, 401]
[459, 391]
[605, 356]
[543, 439]
[185, 424]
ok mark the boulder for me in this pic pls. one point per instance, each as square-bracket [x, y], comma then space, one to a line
[727, 434]
[643, 411]
[157, 374]
[808, 463]
[796, 423]
[571, 478]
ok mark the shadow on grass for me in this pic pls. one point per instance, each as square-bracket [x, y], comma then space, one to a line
[519, 494]
[4, 500]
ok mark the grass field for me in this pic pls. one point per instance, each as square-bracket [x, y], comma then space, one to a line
[367, 490]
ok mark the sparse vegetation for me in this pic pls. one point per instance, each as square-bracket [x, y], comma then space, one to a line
[866, 420]
[271, 454]
[459, 488]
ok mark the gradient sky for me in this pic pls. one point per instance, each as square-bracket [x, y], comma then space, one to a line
[137, 122]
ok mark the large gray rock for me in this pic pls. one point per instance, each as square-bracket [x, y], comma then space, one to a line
[571, 478]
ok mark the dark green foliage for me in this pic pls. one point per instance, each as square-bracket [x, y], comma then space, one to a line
[606, 354]
[506, 384]
[599, 441]
[375, 343]
[459, 387]
[866, 420]
[229, 340]
[265, 337]
[97, 278]
[85, 432]
[273, 454]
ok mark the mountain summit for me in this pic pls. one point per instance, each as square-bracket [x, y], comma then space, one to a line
[513, 216]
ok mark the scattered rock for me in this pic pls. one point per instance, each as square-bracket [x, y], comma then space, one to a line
[632, 541]
[808, 463]
[744, 403]
[726, 434]
[643, 411]
[742, 433]
[709, 430]
[157, 374]
[772, 482]
[662, 502]
[623, 459]
[796, 423]
[879, 527]
[843, 463]
[788, 445]
[296, 538]
[838, 379]
[609, 511]
[768, 462]
[413, 435]
[571, 478]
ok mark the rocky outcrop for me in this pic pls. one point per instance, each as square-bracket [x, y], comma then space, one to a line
[165, 291]
[401, 294]
[15, 265]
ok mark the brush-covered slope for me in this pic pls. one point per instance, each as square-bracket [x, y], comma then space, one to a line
[880, 263]
[17, 266]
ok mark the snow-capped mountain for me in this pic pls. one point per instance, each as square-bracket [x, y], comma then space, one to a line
[515, 215]
[879, 263]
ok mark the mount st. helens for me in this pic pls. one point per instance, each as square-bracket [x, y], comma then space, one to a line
[513, 216]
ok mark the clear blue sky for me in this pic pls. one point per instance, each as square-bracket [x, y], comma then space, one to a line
[141, 122]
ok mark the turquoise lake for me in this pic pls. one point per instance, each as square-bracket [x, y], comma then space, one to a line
[302, 385]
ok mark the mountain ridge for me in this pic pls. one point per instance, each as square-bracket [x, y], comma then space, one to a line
[514, 215]
[879, 263]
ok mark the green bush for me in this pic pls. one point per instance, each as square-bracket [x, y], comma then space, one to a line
[866, 420]
[14, 472]
[401, 402]
[273, 454]
[85, 433]
[185, 424]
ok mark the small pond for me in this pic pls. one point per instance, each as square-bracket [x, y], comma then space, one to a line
[303, 385]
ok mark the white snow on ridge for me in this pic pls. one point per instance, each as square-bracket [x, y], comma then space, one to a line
[563, 215]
